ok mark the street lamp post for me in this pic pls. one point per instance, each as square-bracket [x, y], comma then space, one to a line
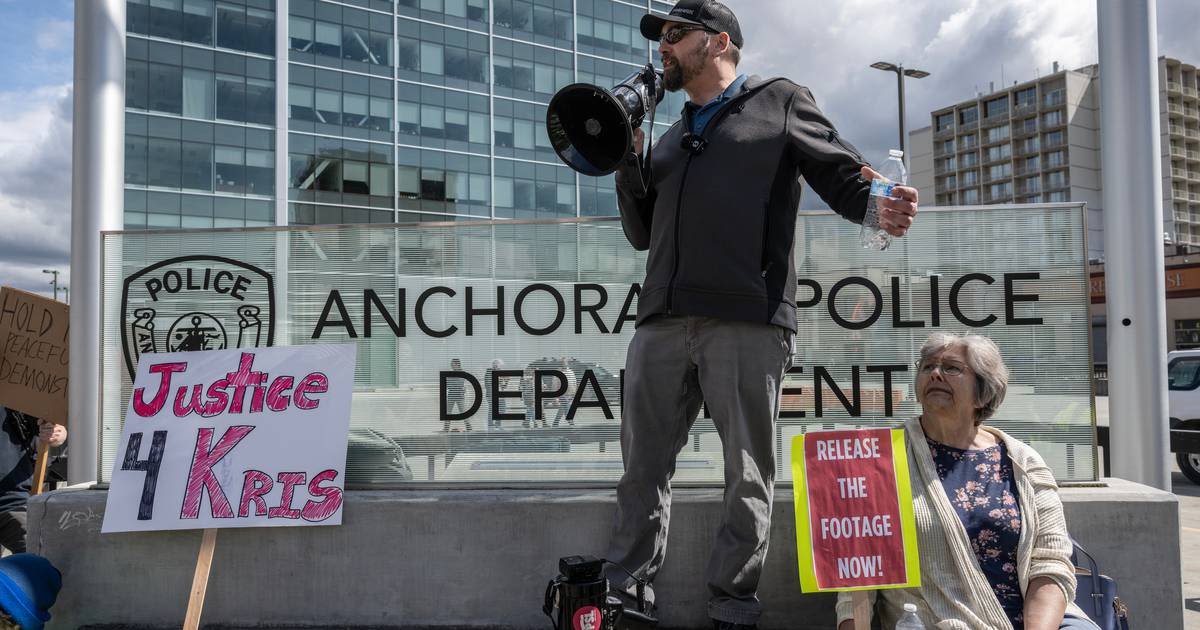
[901, 72]
[54, 282]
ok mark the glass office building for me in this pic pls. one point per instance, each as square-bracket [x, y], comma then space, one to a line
[265, 112]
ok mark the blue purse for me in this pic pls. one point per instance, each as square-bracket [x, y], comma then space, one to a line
[1096, 594]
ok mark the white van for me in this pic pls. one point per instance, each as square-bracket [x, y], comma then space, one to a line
[1183, 376]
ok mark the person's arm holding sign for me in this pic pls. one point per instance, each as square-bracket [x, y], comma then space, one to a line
[845, 608]
[52, 434]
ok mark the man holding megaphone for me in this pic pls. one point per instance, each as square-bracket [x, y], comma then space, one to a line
[716, 208]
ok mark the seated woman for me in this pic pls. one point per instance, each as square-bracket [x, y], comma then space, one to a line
[990, 527]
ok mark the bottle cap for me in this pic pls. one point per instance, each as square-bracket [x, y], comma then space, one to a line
[912, 608]
[896, 153]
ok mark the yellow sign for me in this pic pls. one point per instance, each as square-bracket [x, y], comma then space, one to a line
[855, 529]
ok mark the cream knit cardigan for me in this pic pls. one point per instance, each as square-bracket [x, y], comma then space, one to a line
[954, 594]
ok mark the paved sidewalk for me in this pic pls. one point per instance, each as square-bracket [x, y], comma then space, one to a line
[1189, 518]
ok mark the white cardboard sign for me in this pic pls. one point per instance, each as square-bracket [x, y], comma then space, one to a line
[234, 438]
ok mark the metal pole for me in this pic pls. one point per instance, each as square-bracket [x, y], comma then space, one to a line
[1133, 240]
[900, 90]
[98, 159]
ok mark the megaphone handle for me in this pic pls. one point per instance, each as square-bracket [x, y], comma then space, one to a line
[652, 91]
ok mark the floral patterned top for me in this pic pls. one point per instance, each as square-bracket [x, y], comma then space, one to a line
[980, 486]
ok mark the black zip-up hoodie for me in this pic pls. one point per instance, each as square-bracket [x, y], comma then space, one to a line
[720, 225]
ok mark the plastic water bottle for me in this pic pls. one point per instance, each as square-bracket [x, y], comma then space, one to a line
[910, 621]
[894, 173]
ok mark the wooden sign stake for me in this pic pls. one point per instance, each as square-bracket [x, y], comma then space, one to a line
[191, 620]
[862, 610]
[39, 474]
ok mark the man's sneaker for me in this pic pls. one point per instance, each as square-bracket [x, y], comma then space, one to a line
[729, 625]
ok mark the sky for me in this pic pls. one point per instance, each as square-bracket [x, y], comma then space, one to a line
[826, 45]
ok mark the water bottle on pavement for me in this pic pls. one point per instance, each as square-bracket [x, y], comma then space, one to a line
[910, 621]
[874, 237]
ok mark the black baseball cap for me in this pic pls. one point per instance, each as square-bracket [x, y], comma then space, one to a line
[709, 14]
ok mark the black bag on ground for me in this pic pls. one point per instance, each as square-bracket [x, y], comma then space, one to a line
[1096, 594]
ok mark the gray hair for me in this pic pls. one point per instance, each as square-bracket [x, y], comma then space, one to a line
[983, 357]
[735, 53]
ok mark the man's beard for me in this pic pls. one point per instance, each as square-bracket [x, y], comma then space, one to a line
[684, 70]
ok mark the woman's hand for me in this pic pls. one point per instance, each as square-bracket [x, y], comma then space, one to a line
[1044, 605]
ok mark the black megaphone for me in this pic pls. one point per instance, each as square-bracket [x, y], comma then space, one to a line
[591, 128]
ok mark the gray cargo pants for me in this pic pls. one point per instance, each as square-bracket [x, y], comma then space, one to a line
[736, 368]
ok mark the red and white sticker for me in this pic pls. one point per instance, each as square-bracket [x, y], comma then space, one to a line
[587, 618]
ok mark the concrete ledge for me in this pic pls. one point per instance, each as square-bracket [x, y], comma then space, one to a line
[481, 558]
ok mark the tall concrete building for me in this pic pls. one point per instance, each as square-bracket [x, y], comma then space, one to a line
[270, 112]
[1039, 141]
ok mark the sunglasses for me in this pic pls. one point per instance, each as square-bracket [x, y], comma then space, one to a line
[676, 35]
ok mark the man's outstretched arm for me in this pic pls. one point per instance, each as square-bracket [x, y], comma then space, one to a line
[837, 171]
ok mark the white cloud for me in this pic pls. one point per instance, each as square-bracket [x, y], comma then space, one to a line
[966, 45]
[55, 34]
[35, 186]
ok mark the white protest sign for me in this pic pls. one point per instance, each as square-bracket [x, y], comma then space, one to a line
[234, 438]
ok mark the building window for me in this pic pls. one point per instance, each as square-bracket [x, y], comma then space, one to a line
[457, 10]
[1000, 170]
[244, 28]
[432, 60]
[1026, 97]
[244, 99]
[1052, 119]
[1187, 337]
[196, 166]
[968, 115]
[944, 121]
[165, 89]
[1057, 179]
[970, 196]
[328, 40]
[164, 163]
[199, 94]
[999, 152]
[996, 107]
[996, 134]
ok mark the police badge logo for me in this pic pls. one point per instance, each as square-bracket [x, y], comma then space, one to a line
[196, 303]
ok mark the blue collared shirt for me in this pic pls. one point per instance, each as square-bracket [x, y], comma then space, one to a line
[700, 115]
